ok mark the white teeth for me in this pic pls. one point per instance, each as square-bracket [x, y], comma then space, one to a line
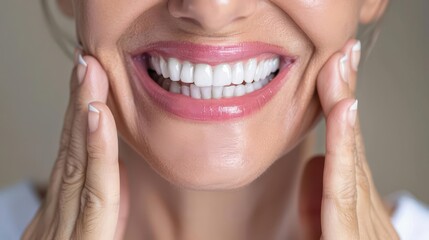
[206, 92]
[264, 81]
[239, 90]
[228, 91]
[249, 87]
[270, 66]
[164, 68]
[276, 64]
[174, 68]
[217, 92]
[267, 69]
[187, 75]
[257, 85]
[259, 70]
[213, 92]
[238, 73]
[186, 91]
[203, 75]
[175, 87]
[222, 75]
[195, 92]
[249, 70]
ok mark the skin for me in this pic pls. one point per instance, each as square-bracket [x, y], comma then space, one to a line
[269, 188]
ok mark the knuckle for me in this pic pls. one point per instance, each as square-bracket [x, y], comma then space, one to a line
[344, 198]
[92, 199]
[75, 160]
[72, 181]
[96, 202]
[74, 169]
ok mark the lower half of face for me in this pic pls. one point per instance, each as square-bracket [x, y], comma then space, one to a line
[212, 94]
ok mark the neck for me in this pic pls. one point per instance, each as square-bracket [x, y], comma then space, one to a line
[268, 208]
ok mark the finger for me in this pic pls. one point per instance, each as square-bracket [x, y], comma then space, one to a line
[337, 78]
[100, 198]
[93, 87]
[337, 81]
[367, 192]
[50, 203]
[339, 201]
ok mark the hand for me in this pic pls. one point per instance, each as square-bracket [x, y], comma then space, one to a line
[85, 197]
[351, 206]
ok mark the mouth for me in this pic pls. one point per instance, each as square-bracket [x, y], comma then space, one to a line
[211, 83]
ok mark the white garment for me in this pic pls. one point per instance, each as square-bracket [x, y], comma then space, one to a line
[411, 217]
[19, 203]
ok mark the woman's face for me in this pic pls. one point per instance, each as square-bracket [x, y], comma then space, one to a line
[216, 50]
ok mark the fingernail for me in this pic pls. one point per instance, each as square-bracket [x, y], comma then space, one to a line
[81, 68]
[352, 113]
[77, 51]
[356, 50]
[93, 118]
[343, 68]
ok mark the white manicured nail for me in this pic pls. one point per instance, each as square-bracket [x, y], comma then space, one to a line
[93, 118]
[81, 68]
[353, 113]
[82, 61]
[343, 68]
[356, 52]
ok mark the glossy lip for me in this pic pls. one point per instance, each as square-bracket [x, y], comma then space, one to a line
[212, 109]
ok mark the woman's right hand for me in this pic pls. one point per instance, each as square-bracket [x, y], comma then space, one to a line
[85, 197]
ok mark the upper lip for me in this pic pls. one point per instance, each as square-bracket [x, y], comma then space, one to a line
[212, 54]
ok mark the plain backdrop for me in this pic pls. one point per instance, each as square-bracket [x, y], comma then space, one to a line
[393, 86]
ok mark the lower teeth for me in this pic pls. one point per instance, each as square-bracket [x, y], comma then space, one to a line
[212, 92]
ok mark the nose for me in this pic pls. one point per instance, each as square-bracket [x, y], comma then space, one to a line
[212, 15]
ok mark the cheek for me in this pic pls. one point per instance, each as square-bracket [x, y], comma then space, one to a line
[328, 24]
[100, 23]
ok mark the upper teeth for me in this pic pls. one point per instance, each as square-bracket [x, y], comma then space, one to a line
[204, 75]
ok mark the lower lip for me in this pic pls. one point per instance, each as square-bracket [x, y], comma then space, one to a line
[209, 109]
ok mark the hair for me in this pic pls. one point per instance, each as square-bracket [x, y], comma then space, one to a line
[368, 34]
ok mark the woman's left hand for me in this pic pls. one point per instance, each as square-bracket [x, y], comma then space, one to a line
[351, 206]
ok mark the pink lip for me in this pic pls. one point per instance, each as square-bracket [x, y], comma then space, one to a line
[213, 109]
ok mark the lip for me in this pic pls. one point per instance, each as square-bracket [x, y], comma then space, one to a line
[212, 109]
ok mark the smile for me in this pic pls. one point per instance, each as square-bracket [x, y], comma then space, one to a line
[201, 82]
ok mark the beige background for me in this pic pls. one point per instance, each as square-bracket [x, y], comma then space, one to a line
[392, 92]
